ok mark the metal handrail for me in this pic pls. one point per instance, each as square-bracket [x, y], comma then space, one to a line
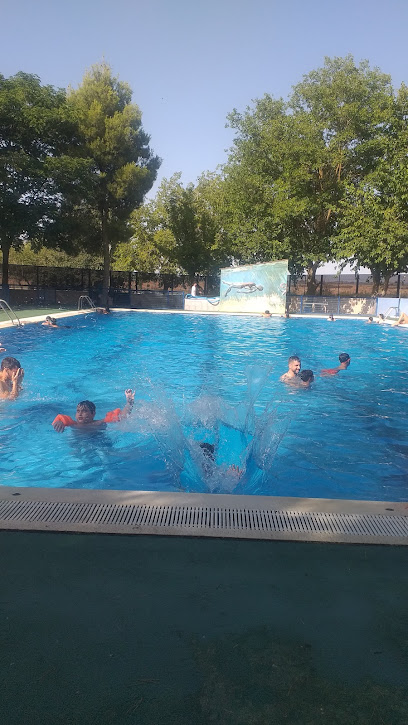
[12, 315]
[393, 307]
[85, 298]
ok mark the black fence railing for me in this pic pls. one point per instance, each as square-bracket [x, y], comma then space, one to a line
[37, 282]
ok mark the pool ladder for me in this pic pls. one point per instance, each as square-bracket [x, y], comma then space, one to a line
[85, 298]
[11, 314]
[393, 307]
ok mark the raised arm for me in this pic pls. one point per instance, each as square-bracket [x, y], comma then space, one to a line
[130, 399]
[16, 383]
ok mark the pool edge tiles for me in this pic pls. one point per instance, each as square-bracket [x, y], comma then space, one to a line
[73, 313]
[204, 515]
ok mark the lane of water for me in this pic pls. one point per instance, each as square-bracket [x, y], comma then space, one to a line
[346, 437]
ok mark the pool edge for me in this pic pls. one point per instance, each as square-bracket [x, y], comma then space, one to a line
[203, 515]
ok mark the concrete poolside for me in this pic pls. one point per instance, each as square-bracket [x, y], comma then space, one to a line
[158, 631]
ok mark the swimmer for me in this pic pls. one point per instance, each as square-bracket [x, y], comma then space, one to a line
[370, 321]
[331, 319]
[85, 414]
[402, 320]
[11, 378]
[381, 319]
[50, 322]
[266, 314]
[306, 378]
[2, 349]
[102, 310]
[294, 366]
[345, 361]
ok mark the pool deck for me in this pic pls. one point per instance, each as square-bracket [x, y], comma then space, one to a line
[142, 630]
[27, 318]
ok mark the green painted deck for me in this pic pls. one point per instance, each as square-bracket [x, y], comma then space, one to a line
[175, 631]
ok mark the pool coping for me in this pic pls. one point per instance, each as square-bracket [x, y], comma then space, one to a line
[203, 515]
[73, 313]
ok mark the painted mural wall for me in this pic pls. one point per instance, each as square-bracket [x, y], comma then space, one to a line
[254, 288]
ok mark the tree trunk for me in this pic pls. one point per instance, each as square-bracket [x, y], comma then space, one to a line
[376, 275]
[387, 278]
[312, 284]
[5, 293]
[106, 261]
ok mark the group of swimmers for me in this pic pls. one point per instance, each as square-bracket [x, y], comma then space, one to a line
[304, 378]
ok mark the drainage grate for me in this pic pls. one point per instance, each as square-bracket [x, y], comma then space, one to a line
[199, 520]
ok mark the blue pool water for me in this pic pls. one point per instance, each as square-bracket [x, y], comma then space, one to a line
[214, 380]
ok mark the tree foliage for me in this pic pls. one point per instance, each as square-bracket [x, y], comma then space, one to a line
[292, 161]
[37, 163]
[123, 167]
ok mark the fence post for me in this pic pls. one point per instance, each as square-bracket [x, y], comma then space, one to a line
[399, 286]
[321, 285]
[357, 281]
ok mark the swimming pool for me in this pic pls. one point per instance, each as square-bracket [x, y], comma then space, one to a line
[214, 380]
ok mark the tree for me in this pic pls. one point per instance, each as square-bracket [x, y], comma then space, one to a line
[174, 233]
[123, 166]
[374, 218]
[37, 135]
[291, 161]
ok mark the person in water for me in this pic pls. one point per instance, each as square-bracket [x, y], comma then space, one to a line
[11, 378]
[294, 366]
[402, 320]
[50, 322]
[331, 318]
[102, 310]
[306, 378]
[344, 359]
[370, 321]
[266, 314]
[85, 415]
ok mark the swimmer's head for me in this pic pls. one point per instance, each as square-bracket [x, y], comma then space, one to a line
[306, 376]
[381, 316]
[85, 412]
[267, 312]
[344, 358]
[294, 363]
[370, 319]
[9, 364]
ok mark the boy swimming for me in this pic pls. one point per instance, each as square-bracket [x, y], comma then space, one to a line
[85, 414]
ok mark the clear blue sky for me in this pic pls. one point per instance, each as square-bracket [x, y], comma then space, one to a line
[190, 62]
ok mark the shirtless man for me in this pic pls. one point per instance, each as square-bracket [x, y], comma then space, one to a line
[344, 359]
[294, 366]
[85, 414]
[11, 378]
[403, 320]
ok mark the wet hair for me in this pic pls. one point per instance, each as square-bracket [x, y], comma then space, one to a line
[382, 316]
[208, 450]
[9, 363]
[306, 375]
[87, 405]
[371, 319]
[267, 312]
[294, 357]
[343, 357]
[51, 319]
